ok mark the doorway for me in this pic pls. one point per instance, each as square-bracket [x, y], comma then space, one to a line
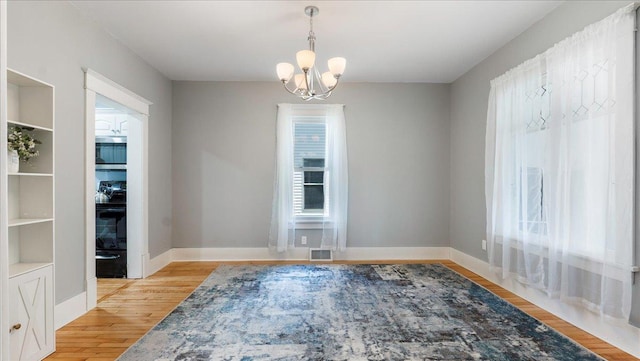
[122, 118]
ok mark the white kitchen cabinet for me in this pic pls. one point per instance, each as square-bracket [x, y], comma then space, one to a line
[111, 124]
[29, 223]
[122, 125]
[104, 125]
[31, 335]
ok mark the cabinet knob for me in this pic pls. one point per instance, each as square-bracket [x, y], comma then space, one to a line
[15, 327]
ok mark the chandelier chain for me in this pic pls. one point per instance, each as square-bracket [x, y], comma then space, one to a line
[312, 35]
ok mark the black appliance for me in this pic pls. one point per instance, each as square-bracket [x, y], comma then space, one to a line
[111, 152]
[111, 231]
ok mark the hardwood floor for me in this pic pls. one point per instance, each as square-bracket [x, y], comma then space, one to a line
[127, 309]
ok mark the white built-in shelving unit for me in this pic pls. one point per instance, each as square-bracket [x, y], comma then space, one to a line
[30, 222]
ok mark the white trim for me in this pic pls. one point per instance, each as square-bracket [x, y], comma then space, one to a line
[238, 254]
[159, 262]
[4, 221]
[102, 85]
[392, 253]
[302, 254]
[96, 83]
[91, 285]
[146, 258]
[137, 197]
[90, 204]
[619, 334]
[70, 309]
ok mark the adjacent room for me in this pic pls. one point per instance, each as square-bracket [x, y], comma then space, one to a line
[319, 180]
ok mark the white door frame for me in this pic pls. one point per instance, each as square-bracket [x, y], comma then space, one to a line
[4, 261]
[138, 262]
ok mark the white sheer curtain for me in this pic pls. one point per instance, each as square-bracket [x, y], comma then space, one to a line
[559, 168]
[282, 212]
[334, 228]
[284, 219]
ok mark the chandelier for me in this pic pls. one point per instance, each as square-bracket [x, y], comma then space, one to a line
[310, 84]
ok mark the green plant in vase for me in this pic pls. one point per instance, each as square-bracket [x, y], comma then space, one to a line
[21, 140]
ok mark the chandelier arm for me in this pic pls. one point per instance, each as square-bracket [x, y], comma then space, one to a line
[309, 83]
[321, 87]
[334, 85]
[289, 90]
[326, 91]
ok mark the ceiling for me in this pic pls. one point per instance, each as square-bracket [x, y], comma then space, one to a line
[383, 41]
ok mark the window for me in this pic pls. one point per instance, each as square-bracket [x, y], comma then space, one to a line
[532, 215]
[309, 166]
[560, 168]
[311, 186]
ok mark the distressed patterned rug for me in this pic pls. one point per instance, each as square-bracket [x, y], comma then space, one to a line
[348, 312]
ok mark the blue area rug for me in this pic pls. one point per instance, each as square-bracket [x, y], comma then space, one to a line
[348, 312]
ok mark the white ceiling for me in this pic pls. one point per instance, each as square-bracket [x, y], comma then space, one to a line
[383, 41]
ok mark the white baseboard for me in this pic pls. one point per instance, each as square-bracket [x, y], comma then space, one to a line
[619, 334]
[70, 309]
[158, 262]
[238, 254]
[302, 254]
[92, 293]
[392, 253]
[146, 259]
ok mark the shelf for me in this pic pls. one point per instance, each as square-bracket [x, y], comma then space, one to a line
[32, 174]
[30, 194]
[27, 201]
[17, 269]
[29, 102]
[24, 221]
[28, 125]
[43, 163]
[21, 79]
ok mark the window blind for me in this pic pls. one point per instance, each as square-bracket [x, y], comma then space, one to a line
[309, 143]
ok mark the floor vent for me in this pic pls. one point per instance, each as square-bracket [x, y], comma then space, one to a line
[316, 254]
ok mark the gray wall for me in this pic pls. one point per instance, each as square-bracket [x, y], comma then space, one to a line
[224, 157]
[53, 41]
[408, 143]
[469, 97]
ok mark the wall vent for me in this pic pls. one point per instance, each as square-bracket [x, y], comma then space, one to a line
[316, 254]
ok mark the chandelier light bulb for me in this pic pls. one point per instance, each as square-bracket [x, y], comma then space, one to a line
[285, 71]
[300, 82]
[305, 59]
[328, 79]
[337, 65]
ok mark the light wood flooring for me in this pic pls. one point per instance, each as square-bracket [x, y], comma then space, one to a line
[127, 309]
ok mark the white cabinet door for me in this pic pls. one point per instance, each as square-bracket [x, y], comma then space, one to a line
[122, 126]
[31, 315]
[111, 124]
[105, 124]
